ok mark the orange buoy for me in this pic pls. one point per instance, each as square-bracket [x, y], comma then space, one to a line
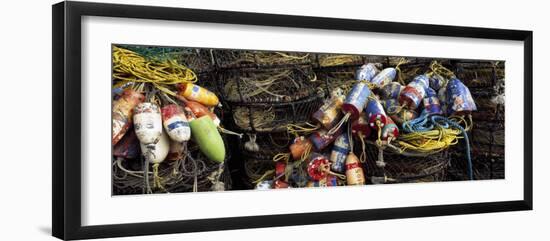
[299, 147]
[199, 110]
[199, 94]
[354, 171]
[122, 113]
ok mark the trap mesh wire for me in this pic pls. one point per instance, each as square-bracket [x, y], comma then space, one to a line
[402, 168]
[267, 85]
[177, 176]
[250, 58]
[274, 117]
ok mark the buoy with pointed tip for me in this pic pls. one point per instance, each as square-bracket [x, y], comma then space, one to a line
[209, 140]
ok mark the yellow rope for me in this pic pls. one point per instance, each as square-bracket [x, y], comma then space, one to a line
[157, 180]
[363, 156]
[296, 130]
[129, 66]
[264, 176]
[281, 157]
[334, 60]
[429, 141]
[399, 72]
[438, 68]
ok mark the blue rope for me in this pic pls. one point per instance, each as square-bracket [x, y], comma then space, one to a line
[440, 119]
[418, 124]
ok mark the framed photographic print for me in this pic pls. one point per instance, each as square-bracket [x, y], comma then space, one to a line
[169, 120]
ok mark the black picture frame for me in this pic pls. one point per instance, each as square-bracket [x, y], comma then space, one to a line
[66, 140]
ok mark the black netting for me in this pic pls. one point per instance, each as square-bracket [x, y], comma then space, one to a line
[176, 176]
[405, 168]
[255, 168]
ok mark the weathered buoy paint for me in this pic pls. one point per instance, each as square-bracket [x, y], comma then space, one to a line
[431, 103]
[376, 114]
[412, 95]
[360, 127]
[199, 94]
[329, 113]
[299, 146]
[437, 81]
[123, 109]
[339, 152]
[157, 152]
[321, 139]
[317, 167]
[200, 110]
[391, 106]
[354, 171]
[391, 91]
[147, 123]
[356, 100]
[459, 98]
[366, 72]
[175, 123]
[385, 77]
[390, 130]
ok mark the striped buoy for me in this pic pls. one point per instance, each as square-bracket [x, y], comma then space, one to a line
[414, 92]
[175, 123]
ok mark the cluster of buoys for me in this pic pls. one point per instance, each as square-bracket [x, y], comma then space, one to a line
[376, 109]
[163, 117]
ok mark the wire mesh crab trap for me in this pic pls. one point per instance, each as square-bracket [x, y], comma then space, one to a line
[252, 58]
[392, 167]
[274, 117]
[192, 171]
[268, 100]
[267, 85]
